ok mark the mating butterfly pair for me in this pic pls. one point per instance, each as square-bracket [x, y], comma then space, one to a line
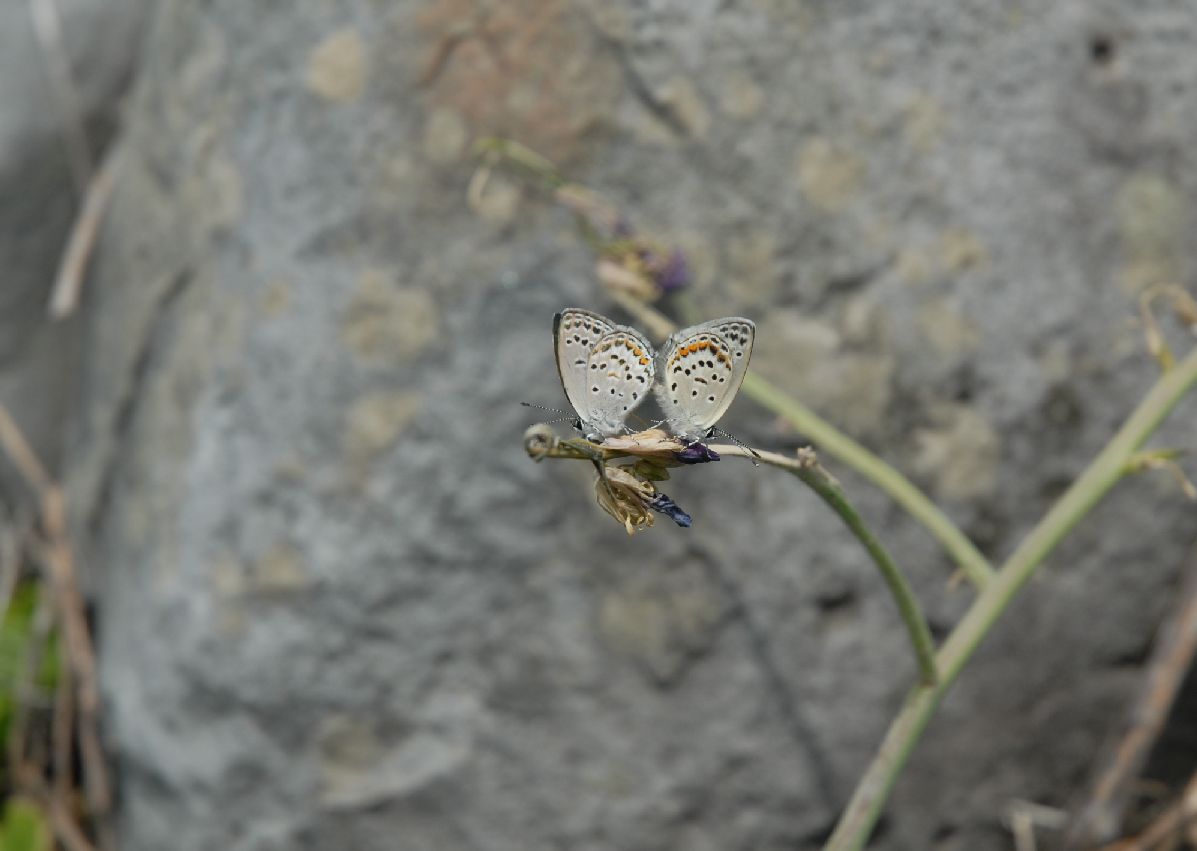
[607, 370]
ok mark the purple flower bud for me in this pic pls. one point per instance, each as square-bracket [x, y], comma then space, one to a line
[696, 453]
[663, 504]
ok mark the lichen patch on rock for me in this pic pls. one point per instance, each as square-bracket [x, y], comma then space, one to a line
[829, 175]
[387, 324]
[338, 67]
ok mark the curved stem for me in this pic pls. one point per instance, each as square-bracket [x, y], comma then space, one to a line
[827, 437]
[830, 439]
[1107, 468]
[807, 468]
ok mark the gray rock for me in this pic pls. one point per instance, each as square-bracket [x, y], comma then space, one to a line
[340, 608]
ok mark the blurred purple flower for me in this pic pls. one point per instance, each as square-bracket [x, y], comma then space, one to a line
[674, 274]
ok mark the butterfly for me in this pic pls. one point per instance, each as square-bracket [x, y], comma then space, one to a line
[702, 368]
[608, 370]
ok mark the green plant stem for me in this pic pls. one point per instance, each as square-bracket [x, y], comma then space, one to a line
[496, 149]
[1107, 468]
[834, 442]
[808, 469]
[540, 442]
[837, 444]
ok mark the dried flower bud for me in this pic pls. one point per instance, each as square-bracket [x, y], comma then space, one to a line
[626, 490]
[663, 504]
[625, 498]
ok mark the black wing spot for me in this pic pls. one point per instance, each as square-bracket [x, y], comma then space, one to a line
[710, 398]
[594, 389]
[693, 392]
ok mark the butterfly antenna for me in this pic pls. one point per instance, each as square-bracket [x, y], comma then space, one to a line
[543, 408]
[565, 417]
[739, 443]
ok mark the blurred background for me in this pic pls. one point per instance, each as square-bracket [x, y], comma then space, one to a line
[270, 349]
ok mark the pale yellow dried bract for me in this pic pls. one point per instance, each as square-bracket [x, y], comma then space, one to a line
[620, 476]
[622, 496]
[649, 442]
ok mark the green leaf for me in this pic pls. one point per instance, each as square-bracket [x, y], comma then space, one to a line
[650, 472]
[16, 631]
[24, 827]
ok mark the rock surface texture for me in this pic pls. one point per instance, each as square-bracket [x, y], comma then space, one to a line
[340, 609]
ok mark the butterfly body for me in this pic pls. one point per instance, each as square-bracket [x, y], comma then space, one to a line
[607, 370]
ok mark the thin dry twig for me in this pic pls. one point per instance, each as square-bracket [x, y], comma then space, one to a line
[72, 269]
[62, 819]
[1099, 819]
[58, 561]
[14, 444]
[1176, 823]
[47, 23]
[65, 827]
[1022, 826]
[1023, 817]
[61, 733]
[1188, 802]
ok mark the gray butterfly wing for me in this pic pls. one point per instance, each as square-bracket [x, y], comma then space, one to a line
[702, 368]
[575, 333]
[606, 369]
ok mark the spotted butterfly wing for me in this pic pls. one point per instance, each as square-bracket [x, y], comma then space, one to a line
[606, 369]
[702, 367]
